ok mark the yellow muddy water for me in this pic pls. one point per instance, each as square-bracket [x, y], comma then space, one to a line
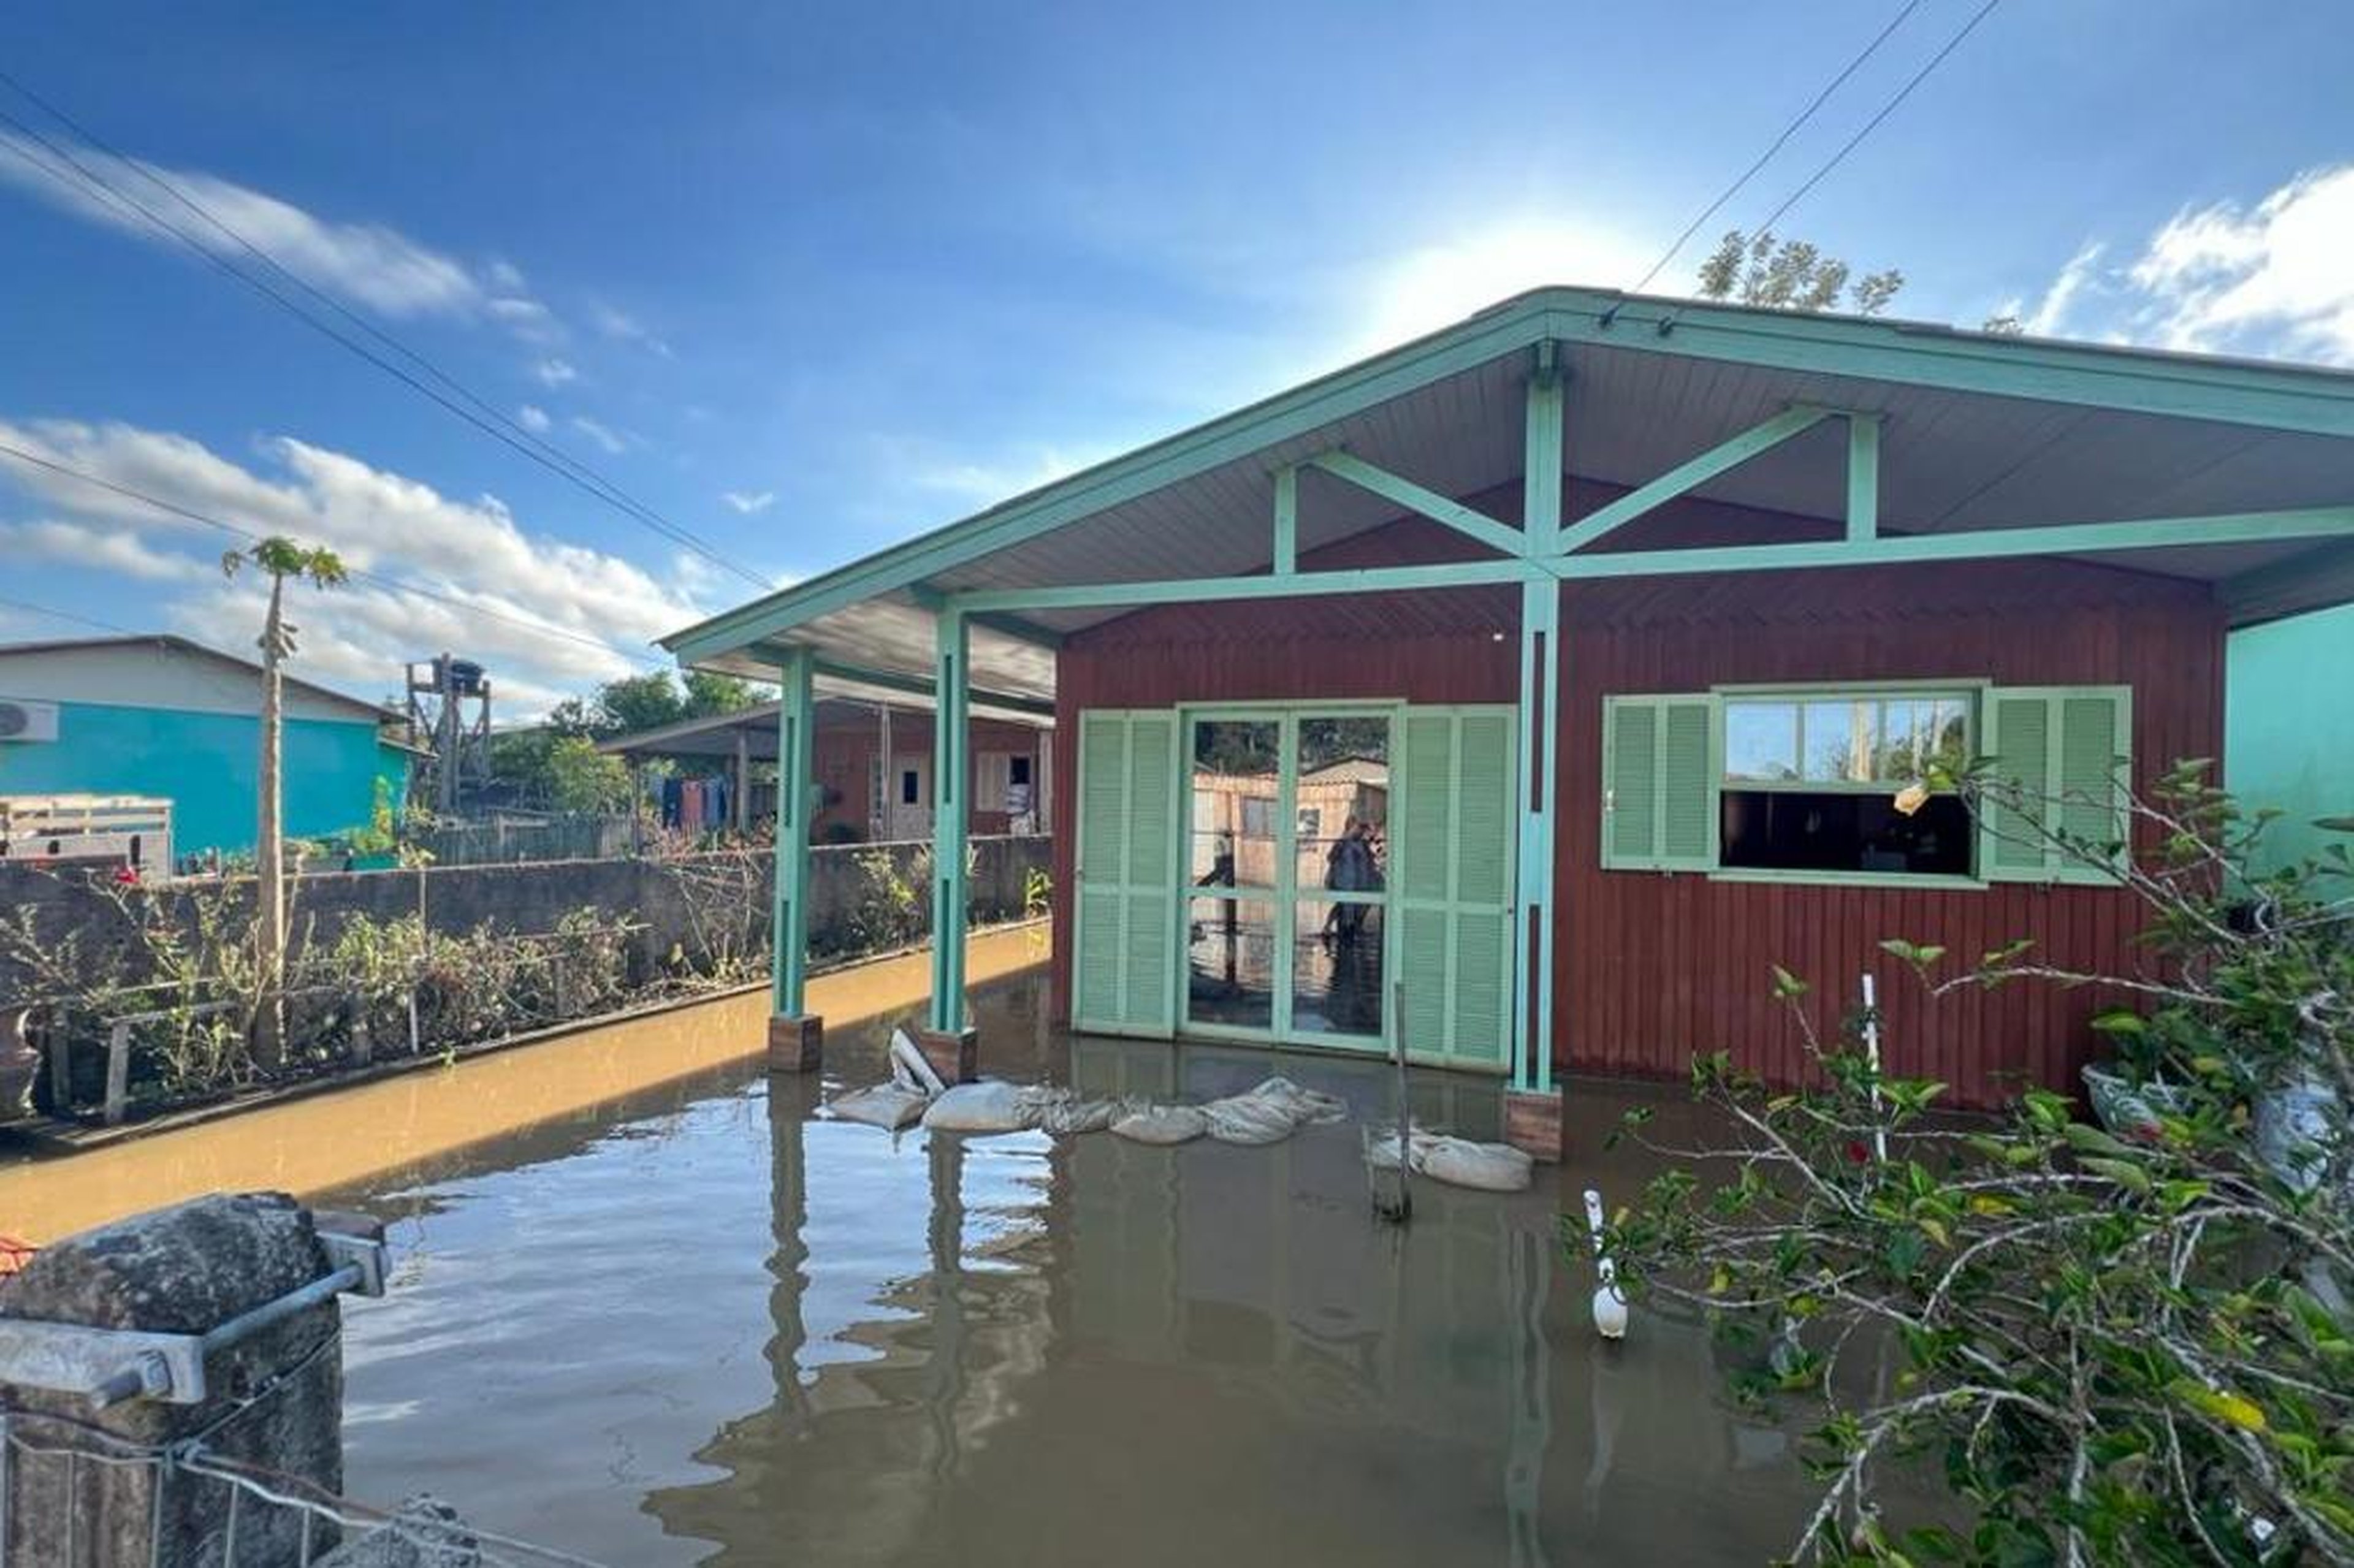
[651, 1305]
[404, 1122]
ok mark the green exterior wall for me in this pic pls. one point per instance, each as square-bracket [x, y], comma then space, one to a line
[207, 765]
[2287, 739]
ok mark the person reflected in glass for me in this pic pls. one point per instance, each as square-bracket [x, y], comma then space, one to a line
[1351, 866]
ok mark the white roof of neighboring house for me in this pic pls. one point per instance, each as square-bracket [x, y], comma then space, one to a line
[163, 671]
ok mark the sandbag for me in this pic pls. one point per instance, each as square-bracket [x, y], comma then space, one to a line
[1269, 1113]
[1162, 1125]
[1457, 1161]
[910, 1067]
[887, 1106]
[1068, 1114]
[991, 1105]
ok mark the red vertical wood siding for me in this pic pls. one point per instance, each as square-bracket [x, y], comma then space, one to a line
[1650, 969]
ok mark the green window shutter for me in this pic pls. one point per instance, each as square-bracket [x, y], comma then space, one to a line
[1149, 951]
[1123, 961]
[1660, 783]
[1453, 838]
[2065, 749]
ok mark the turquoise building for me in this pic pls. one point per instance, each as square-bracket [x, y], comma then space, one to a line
[2288, 732]
[167, 717]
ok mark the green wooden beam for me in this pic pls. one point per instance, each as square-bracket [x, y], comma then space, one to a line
[1464, 520]
[1533, 934]
[1286, 521]
[1692, 474]
[1862, 476]
[796, 787]
[1541, 468]
[928, 598]
[1303, 584]
[951, 812]
[1978, 544]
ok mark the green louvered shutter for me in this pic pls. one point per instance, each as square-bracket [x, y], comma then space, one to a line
[1123, 961]
[1487, 830]
[1660, 783]
[1452, 847]
[2063, 748]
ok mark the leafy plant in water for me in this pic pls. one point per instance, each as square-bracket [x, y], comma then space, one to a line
[2111, 1348]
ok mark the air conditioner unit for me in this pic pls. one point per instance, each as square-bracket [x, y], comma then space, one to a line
[27, 721]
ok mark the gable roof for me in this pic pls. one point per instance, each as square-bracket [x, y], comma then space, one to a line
[173, 643]
[1983, 431]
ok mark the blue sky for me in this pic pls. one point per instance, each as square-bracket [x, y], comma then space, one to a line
[808, 278]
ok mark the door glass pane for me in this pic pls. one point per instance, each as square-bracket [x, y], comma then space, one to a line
[1237, 781]
[1230, 962]
[1343, 799]
[1761, 741]
[1336, 985]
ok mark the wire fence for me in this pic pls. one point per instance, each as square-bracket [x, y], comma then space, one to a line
[254, 1516]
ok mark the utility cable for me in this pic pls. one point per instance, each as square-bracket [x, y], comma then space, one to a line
[459, 400]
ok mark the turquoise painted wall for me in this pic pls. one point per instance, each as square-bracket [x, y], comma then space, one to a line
[206, 763]
[2288, 725]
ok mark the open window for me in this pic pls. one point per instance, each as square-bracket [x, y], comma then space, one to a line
[1805, 784]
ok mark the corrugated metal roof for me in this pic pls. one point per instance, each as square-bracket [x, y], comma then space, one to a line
[172, 642]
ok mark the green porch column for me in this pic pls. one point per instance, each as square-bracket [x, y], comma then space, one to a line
[794, 1036]
[1531, 1104]
[949, 1041]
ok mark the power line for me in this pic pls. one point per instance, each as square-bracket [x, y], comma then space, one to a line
[1776, 145]
[482, 414]
[393, 585]
[29, 606]
[1886, 110]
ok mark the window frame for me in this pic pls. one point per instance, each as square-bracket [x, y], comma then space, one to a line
[1976, 692]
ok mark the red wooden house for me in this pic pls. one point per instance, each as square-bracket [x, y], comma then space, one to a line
[1634, 615]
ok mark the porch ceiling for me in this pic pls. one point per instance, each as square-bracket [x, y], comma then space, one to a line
[1954, 457]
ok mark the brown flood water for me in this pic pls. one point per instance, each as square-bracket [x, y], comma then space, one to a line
[654, 1306]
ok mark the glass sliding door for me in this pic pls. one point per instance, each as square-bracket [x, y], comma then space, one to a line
[1288, 926]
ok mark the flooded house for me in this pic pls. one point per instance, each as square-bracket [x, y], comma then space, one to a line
[1614, 626]
[871, 764]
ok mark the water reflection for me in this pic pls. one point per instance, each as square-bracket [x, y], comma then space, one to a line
[723, 1329]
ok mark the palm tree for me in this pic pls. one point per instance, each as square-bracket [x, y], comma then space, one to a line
[282, 558]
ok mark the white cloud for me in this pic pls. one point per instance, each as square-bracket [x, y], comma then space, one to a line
[622, 327]
[2274, 276]
[553, 372]
[2269, 280]
[604, 435]
[475, 554]
[533, 418]
[96, 546]
[366, 264]
[748, 504]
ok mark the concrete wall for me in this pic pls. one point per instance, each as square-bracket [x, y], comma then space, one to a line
[679, 903]
[2286, 743]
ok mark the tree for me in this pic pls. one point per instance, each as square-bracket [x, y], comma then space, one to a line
[584, 779]
[2130, 1345]
[282, 558]
[1790, 275]
[709, 694]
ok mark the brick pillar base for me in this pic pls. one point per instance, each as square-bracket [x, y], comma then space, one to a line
[954, 1054]
[1532, 1123]
[795, 1045]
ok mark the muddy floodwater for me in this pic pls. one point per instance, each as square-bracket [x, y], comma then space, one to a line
[699, 1321]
